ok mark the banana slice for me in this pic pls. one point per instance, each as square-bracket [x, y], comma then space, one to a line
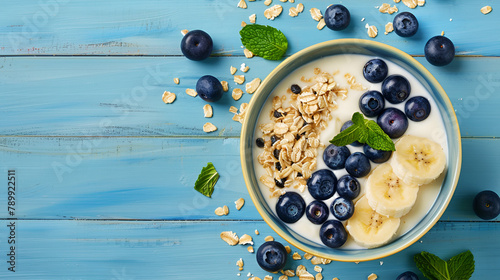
[418, 160]
[368, 228]
[387, 194]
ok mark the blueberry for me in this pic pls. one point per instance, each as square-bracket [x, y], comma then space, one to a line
[439, 51]
[348, 187]
[396, 89]
[278, 166]
[393, 122]
[333, 234]
[486, 205]
[295, 89]
[290, 207]
[358, 165]
[196, 45]
[377, 156]
[274, 138]
[405, 24]
[375, 70]
[209, 88]
[317, 212]
[259, 142]
[322, 184]
[337, 17]
[371, 103]
[342, 208]
[344, 127]
[271, 256]
[334, 157]
[417, 108]
[280, 183]
[408, 275]
[276, 154]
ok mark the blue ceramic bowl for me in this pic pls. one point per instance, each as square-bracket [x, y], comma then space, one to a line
[371, 48]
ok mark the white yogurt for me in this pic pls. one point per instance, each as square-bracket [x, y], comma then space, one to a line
[432, 127]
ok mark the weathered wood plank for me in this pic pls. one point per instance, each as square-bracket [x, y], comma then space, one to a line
[194, 250]
[153, 178]
[152, 27]
[74, 96]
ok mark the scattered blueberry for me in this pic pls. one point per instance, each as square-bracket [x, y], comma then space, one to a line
[348, 187]
[271, 256]
[290, 207]
[337, 17]
[259, 142]
[278, 166]
[280, 183]
[342, 208]
[277, 114]
[296, 89]
[405, 24]
[377, 156]
[334, 157]
[196, 45]
[439, 51]
[333, 234]
[317, 212]
[358, 165]
[209, 88]
[276, 154]
[408, 275]
[393, 122]
[375, 70]
[322, 184]
[396, 89]
[371, 103]
[274, 138]
[486, 205]
[344, 127]
[417, 108]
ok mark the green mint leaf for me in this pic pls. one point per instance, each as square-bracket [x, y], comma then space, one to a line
[461, 266]
[364, 131]
[264, 41]
[347, 136]
[377, 138]
[358, 119]
[206, 180]
[431, 266]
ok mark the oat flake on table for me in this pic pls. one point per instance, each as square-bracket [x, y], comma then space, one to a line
[273, 12]
[225, 86]
[316, 14]
[371, 30]
[191, 92]
[242, 4]
[486, 10]
[209, 127]
[168, 97]
[388, 28]
[207, 111]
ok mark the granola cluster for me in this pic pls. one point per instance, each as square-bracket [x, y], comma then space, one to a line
[291, 140]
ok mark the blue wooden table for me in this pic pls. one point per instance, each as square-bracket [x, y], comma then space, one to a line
[105, 170]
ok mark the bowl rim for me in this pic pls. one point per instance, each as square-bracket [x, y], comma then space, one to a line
[247, 132]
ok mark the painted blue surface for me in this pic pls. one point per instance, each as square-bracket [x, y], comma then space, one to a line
[153, 27]
[105, 170]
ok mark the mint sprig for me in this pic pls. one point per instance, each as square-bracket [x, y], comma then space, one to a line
[460, 267]
[264, 41]
[366, 132]
[205, 183]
